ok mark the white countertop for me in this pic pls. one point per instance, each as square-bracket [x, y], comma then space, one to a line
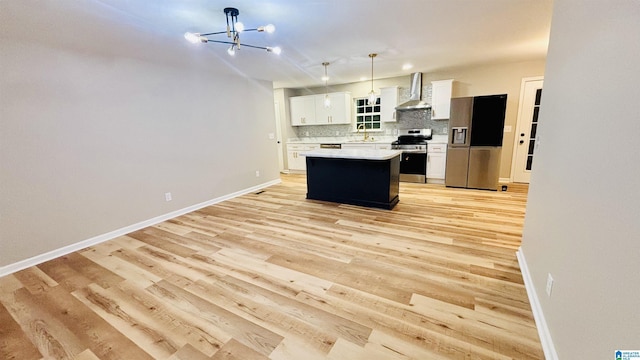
[362, 154]
[343, 140]
[437, 139]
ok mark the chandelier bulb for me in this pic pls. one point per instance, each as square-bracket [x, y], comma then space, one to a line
[276, 50]
[193, 38]
[239, 27]
[231, 50]
[270, 28]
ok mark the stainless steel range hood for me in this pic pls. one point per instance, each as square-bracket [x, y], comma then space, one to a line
[415, 102]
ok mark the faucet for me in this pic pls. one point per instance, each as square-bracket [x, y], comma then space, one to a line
[361, 126]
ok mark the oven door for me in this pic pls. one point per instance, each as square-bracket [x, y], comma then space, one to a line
[413, 167]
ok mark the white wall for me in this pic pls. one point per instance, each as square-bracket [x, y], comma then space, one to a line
[91, 139]
[583, 214]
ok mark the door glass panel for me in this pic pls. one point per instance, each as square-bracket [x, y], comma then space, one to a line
[534, 129]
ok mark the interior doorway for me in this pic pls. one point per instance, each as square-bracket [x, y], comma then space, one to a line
[525, 139]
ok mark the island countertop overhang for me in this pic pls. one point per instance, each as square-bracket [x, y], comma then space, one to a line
[360, 154]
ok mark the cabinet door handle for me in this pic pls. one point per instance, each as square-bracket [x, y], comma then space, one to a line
[521, 142]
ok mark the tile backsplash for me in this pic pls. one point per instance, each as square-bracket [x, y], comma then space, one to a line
[411, 119]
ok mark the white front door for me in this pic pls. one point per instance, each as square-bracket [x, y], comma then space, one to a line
[530, 97]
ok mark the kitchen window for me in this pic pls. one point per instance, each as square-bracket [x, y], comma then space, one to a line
[367, 115]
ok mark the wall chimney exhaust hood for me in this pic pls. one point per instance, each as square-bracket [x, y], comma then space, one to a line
[415, 102]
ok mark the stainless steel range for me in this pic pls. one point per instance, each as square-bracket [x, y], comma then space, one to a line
[413, 162]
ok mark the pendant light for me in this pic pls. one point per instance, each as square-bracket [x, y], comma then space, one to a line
[372, 95]
[327, 100]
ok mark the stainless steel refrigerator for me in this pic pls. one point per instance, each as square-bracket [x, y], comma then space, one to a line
[476, 126]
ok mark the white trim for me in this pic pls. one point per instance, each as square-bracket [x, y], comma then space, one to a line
[38, 259]
[538, 315]
[515, 136]
[504, 180]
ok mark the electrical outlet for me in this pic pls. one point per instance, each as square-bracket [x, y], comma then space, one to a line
[257, 173]
[445, 131]
[167, 196]
[272, 136]
[337, 133]
[549, 284]
[306, 133]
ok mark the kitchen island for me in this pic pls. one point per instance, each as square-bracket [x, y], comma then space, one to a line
[353, 176]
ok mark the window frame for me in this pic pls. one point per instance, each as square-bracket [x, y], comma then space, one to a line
[368, 111]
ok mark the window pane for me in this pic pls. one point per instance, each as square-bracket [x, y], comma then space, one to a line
[529, 162]
[368, 115]
[536, 110]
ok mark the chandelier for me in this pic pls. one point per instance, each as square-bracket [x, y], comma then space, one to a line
[234, 29]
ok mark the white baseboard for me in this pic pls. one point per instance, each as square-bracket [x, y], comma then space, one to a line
[541, 323]
[38, 259]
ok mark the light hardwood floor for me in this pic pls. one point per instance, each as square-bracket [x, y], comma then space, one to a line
[274, 276]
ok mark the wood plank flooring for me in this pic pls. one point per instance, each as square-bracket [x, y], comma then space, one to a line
[274, 276]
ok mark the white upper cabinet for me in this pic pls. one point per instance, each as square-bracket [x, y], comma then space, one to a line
[303, 110]
[441, 99]
[310, 109]
[388, 103]
[339, 112]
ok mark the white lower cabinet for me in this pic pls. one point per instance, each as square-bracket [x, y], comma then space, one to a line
[436, 163]
[296, 161]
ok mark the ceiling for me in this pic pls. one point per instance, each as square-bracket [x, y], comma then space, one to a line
[431, 35]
